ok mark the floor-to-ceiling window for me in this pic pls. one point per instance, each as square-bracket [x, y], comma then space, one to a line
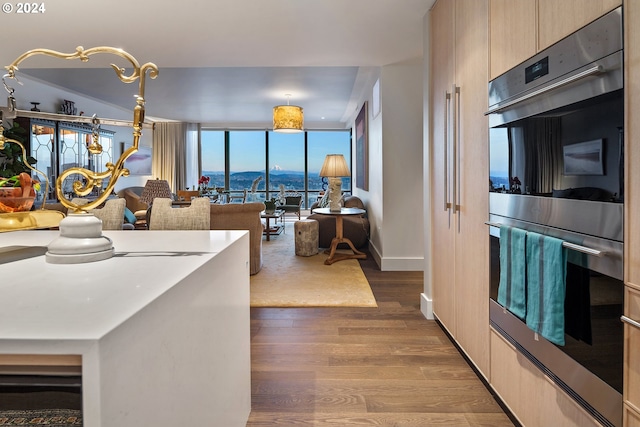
[213, 156]
[263, 161]
[286, 162]
[247, 159]
[319, 144]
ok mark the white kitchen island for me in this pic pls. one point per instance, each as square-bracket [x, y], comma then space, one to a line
[162, 327]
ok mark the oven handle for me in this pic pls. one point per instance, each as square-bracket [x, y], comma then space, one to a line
[586, 73]
[630, 321]
[568, 245]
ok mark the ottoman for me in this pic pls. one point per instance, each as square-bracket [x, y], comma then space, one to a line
[306, 235]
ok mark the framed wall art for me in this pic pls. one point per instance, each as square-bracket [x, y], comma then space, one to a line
[362, 149]
[139, 163]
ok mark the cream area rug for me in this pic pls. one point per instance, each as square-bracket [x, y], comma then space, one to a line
[287, 280]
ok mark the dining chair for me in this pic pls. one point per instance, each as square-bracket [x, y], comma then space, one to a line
[196, 216]
[111, 214]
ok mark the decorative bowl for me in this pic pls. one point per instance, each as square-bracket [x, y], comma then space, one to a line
[16, 204]
[11, 203]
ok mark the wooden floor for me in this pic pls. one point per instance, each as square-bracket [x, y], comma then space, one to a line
[385, 366]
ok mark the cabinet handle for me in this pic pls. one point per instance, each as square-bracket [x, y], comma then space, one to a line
[456, 141]
[630, 321]
[454, 151]
[586, 73]
[447, 103]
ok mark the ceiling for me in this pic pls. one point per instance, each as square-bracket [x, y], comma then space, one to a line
[225, 62]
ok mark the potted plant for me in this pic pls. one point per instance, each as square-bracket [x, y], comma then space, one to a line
[17, 188]
[12, 162]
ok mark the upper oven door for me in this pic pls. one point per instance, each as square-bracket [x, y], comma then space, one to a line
[584, 65]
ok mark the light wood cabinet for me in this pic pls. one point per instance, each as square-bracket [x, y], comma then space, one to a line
[512, 33]
[520, 29]
[459, 143]
[631, 392]
[632, 352]
[531, 396]
[443, 237]
[558, 19]
[631, 418]
[631, 17]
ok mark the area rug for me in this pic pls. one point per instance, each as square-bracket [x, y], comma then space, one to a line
[41, 417]
[287, 280]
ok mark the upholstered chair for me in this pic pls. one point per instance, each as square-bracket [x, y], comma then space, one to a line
[193, 217]
[111, 214]
[292, 204]
[241, 216]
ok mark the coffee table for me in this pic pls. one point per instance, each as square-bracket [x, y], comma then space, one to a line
[333, 256]
[268, 216]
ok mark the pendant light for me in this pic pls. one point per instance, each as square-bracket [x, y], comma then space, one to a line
[288, 118]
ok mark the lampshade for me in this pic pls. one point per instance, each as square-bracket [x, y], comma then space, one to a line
[334, 165]
[288, 118]
[155, 188]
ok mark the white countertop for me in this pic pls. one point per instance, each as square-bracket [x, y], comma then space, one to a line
[42, 301]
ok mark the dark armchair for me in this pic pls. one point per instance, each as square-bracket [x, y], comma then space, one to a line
[292, 204]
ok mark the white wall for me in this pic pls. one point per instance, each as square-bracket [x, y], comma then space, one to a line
[395, 197]
[401, 88]
[426, 299]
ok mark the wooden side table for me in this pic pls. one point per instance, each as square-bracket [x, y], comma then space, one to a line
[333, 256]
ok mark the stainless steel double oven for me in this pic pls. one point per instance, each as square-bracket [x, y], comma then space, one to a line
[557, 168]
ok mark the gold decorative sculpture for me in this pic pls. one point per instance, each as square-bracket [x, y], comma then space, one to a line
[81, 238]
[113, 171]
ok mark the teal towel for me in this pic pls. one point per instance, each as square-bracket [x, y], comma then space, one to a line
[513, 273]
[546, 274]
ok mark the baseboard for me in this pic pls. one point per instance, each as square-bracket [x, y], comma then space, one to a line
[396, 263]
[375, 254]
[426, 306]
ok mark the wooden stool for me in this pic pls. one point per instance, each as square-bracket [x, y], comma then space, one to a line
[306, 235]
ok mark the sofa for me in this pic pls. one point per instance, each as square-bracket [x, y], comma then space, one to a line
[241, 216]
[354, 227]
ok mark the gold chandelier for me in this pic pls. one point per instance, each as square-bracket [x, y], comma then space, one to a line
[89, 179]
[288, 118]
[80, 238]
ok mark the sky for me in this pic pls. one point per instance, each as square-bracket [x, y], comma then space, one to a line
[286, 150]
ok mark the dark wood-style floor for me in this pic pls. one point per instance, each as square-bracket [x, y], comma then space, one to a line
[385, 366]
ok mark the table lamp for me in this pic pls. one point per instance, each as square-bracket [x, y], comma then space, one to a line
[334, 167]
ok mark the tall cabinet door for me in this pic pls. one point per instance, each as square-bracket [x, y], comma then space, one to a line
[459, 191]
[472, 189]
[443, 225]
[513, 28]
[631, 388]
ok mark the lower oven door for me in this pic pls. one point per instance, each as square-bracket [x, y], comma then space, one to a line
[589, 367]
